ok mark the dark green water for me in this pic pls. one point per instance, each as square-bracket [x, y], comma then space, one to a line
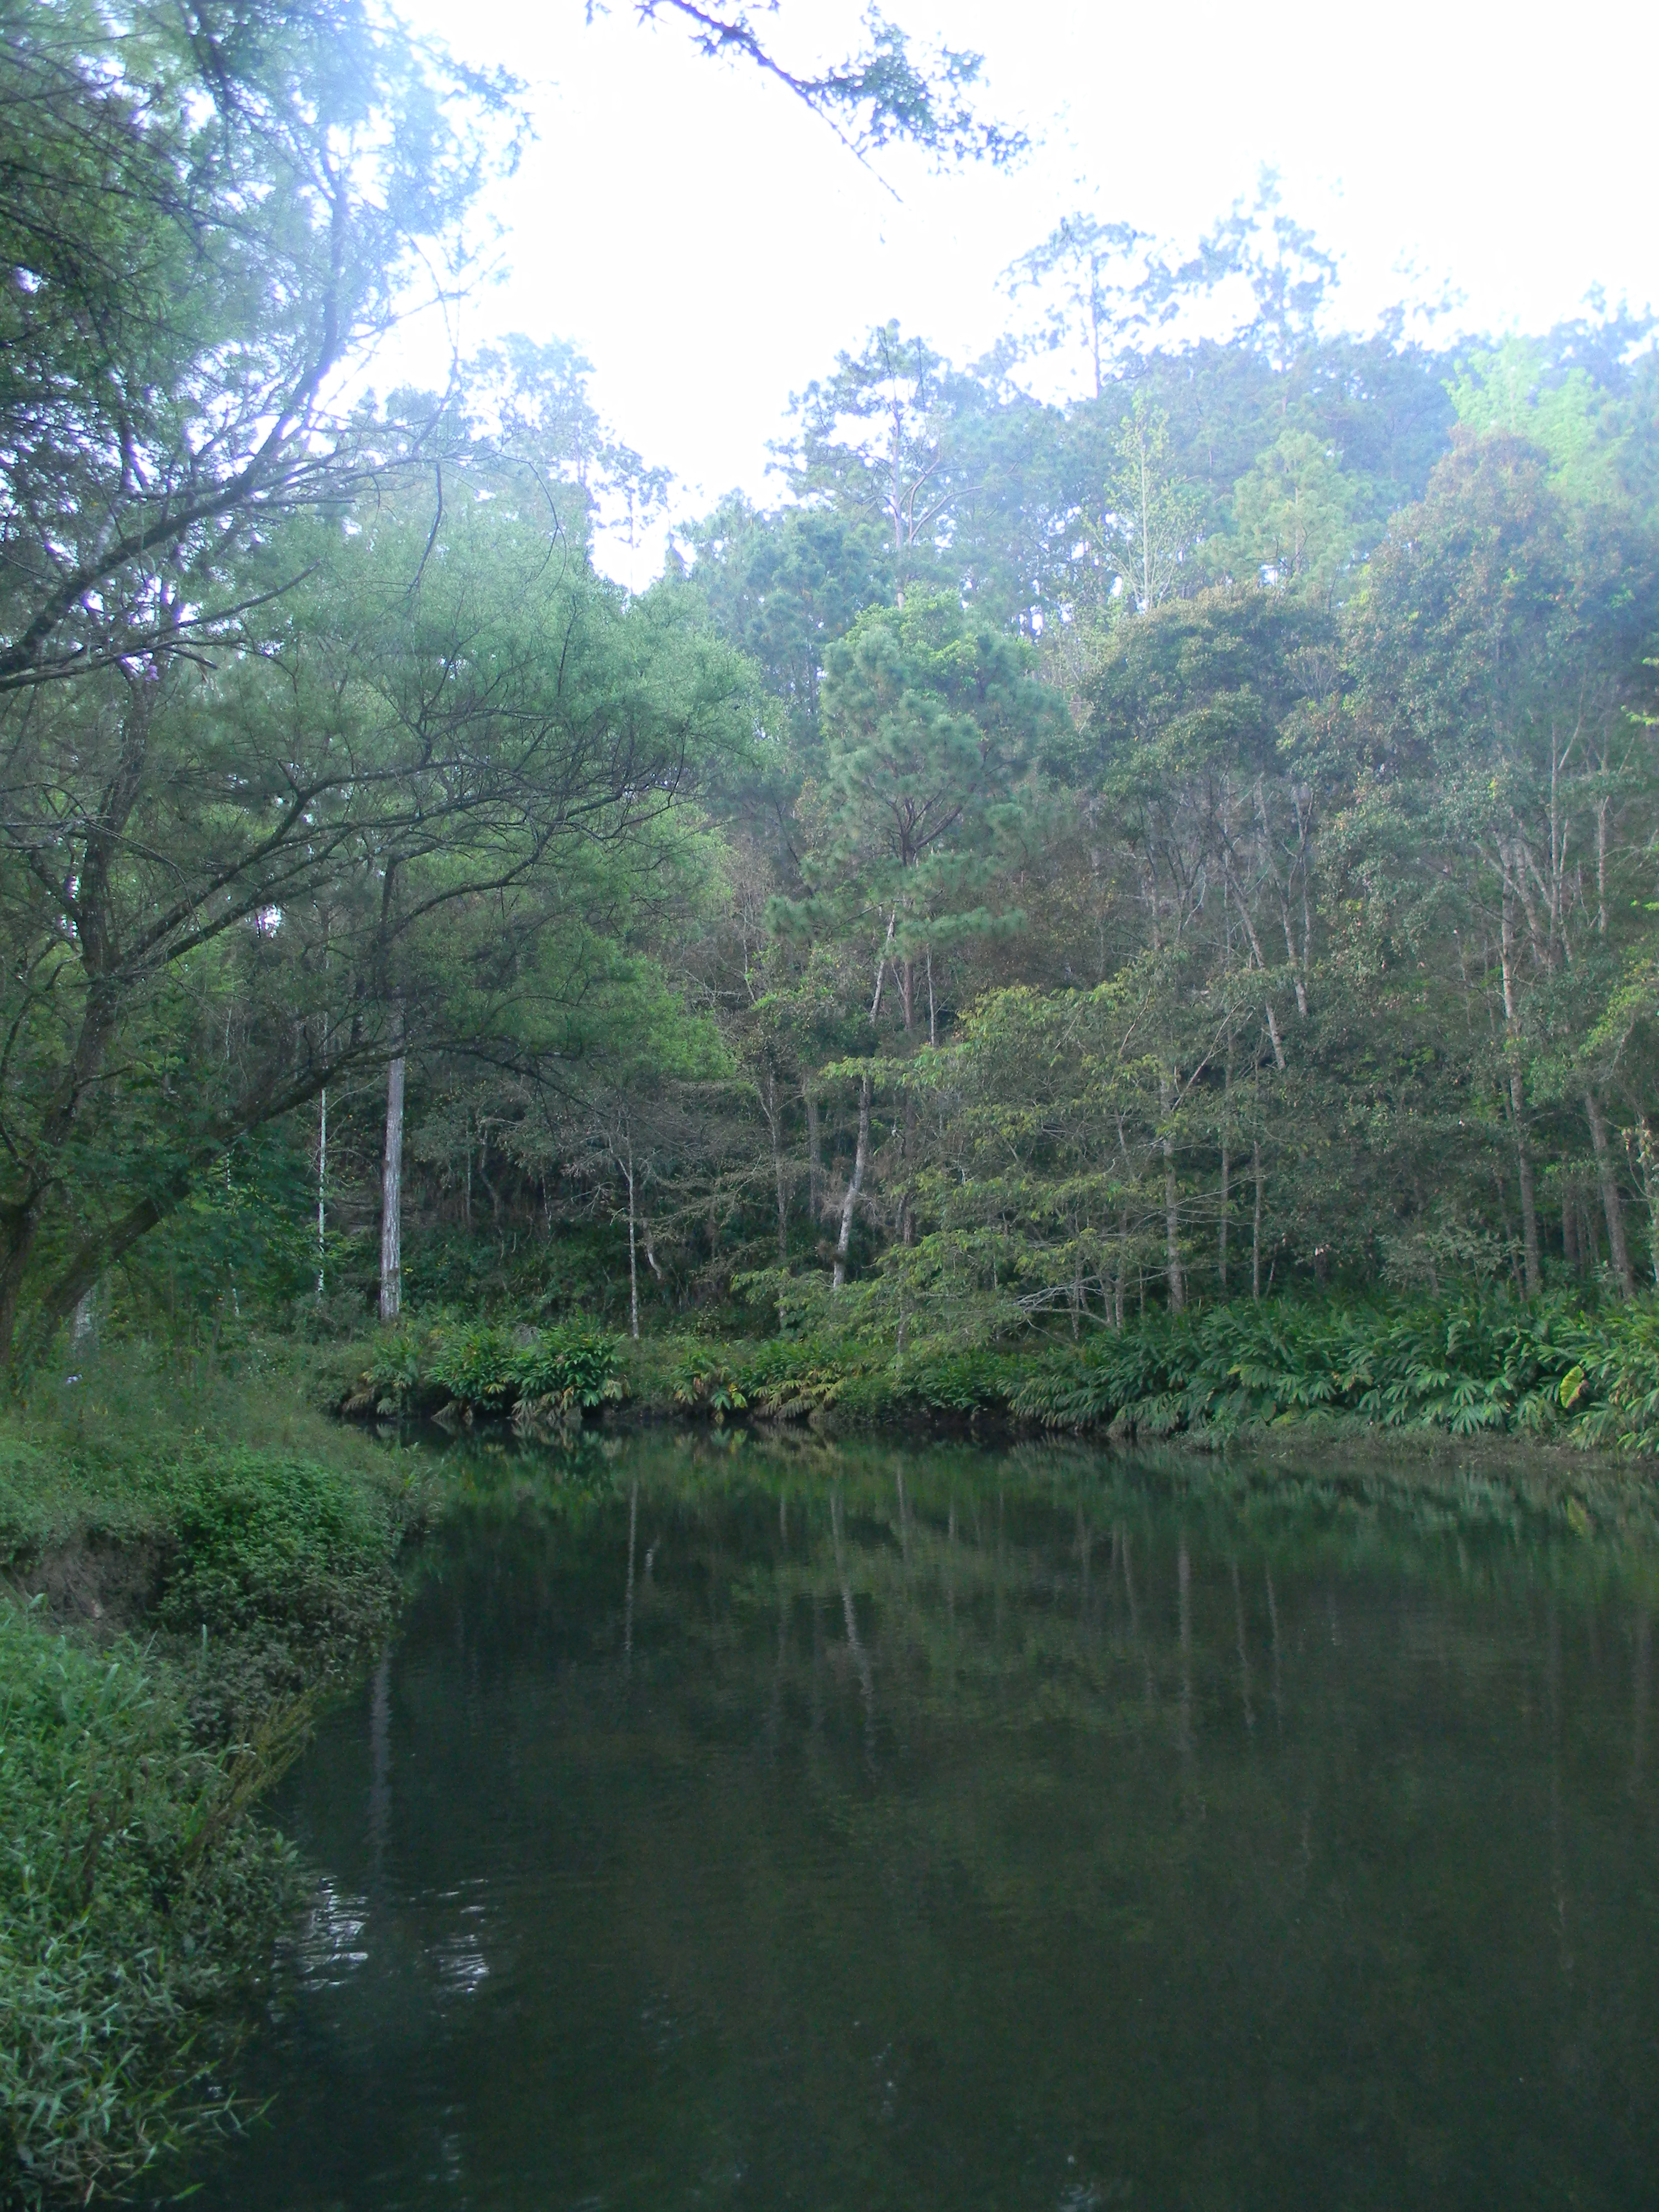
[930, 1829]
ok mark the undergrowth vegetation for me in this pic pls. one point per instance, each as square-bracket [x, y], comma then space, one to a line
[1551, 1367]
[451, 1369]
[191, 1561]
[1555, 1367]
[131, 1892]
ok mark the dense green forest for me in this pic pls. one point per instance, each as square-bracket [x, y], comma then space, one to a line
[1139, 912]
[1057, 861]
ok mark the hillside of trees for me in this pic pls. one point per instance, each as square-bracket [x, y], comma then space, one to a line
[1055, 861]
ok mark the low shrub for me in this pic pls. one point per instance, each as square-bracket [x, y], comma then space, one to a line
[700, 1385]
[487, 1370]
[269, 1542]
[791, 1379]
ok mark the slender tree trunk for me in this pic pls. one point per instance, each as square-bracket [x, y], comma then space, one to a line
[814, 1157]
[907, 1209]
[322, 1187]
[1221, 1232]
[932, 1012]
[1171, 1204]
[1296, 981]
[391, 1194]
[881, 965]
[860, 1162]
[1255, 1221]
[1611, 1206]
[1523, 1177]
[632, 1250]
[1570, 1231]
[1226, 1170]
[1647, 1159]
[1517, 1090]
[766, 1090]
[775, 1123]
[1255, 951]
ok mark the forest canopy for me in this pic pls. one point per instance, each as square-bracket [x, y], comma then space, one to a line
[1193, 841]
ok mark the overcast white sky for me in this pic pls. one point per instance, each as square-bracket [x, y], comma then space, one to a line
[709, 246]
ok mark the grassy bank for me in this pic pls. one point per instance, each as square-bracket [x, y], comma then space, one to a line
[191, 1562]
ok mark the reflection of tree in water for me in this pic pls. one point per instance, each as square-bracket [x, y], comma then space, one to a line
[990, 1828]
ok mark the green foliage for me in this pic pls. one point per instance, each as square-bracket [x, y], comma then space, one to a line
[703, 1386]
[791, 1378]
[1463, 1366]
[278, 1545]
[253, 1548]
[975, 1382]
[488, 1370]
[129, 1891]
[1556, 1368]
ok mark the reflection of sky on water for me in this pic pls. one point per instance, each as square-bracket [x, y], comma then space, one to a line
[328, 1946]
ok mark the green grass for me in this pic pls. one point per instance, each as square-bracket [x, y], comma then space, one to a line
[208, 1556]
[132, 1895]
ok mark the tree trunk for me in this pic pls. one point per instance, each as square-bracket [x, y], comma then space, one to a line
[1523, 1177]
[1226, 1201]
[1647, 1159]
[1176, 1280]
[1611, 1206]
[908, 1206]
[21, 1222]
[633, 1250]
[1518, 1092]
[322, 1190]
[860, 1162]
[767, 1091]
[1255, 1225]
[814, 1158]
[780, 1178]
[1570, 1231]
[99, 957]
[392, 1196]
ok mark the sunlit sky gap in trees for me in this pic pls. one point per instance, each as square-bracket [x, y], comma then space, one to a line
[709, 247]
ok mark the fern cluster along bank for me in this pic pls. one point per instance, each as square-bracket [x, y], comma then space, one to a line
[1554, 1368]
[186, 1565]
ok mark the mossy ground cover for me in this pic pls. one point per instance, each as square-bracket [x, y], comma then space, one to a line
[191, 1561]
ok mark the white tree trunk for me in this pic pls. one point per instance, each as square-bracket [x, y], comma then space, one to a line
[860, 1161]
[391, 1197]
[632, 1250]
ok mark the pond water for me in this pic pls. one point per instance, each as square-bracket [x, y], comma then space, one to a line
[868, 1828]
